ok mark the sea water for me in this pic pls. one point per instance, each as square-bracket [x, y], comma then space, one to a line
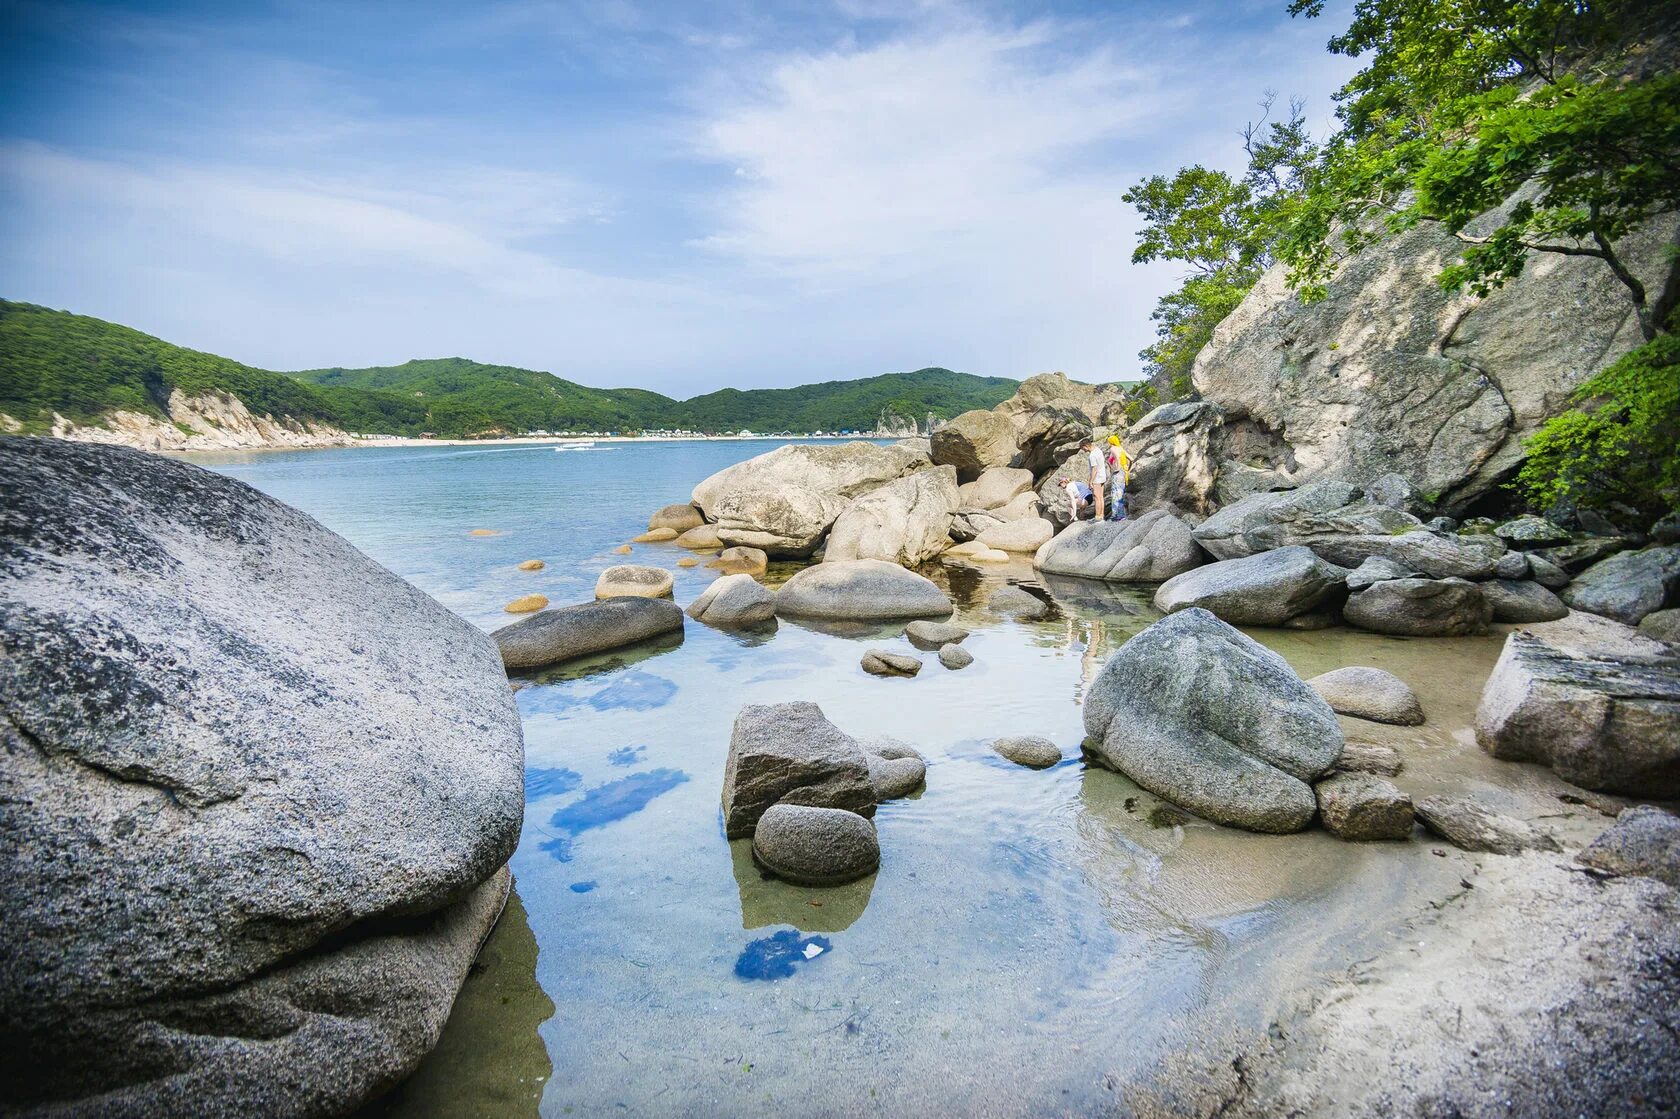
[1034, 941]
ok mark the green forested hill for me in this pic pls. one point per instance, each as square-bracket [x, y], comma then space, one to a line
[83, 367]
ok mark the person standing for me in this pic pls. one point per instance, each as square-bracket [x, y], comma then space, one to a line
[1120, 473]
[1099, 477]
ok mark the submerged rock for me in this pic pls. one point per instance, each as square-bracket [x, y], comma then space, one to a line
[1204, 716]
[1465, 822]
[885, 662]
[1420, 608]
[895, 769]
[931, 635]
[1369, 693]
[1628, 585]
[1147, 549]
[861, 590]
[1027, 534]
[678, 518]
[1260, 590]
[1591, 698]
[655, 536]
[701, 538]
[526, 604]
[532, 565]
[630, 580]
[1360, 807]
[568, 632]
[1514, 600]
[221, 893]
[811, 846]
[1013, 602]
[1644, 840]
[791, 752]
[955, 657]
[734, 601]
[741, 561]
[1030, 751]
[905, 522]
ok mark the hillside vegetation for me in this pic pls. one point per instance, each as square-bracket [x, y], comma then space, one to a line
[84, 368]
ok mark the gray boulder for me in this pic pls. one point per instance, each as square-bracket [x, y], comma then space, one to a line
[1369, 693]
[931, 635]
[974, 442]
[1547, 573]
[1147, 549]
[895, 769]
[995, 487]
[1644, 840]
[1030, 751]
[1028, 534]
[1053, 499]
[907, 521]
[632, 580]
[677, 518]
[1521, 600]
[885, 662]
[1628, 585]
[790, 752]
[860, 590]
[955, 657]
[1377, 569]
[734, 601]
[1051, 435]
[1465, 822]
[1585, 551]
[841, 471]
[1370, 757]
[1420, 608]
[1251, 524]
[1013, 602]
[702, 538]
[790, 521]
[568, 632]
[1360, 807]
[1204, 716]
[1591, 698]
[1261, 590]
[968, 524]
[740, 560]
[1174, 459]
[1094, 402]
[1531, 532]
[1397, 492]
[203, 834]
[1662, 625]
[811, 846]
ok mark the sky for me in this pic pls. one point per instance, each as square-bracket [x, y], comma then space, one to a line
[679, 197]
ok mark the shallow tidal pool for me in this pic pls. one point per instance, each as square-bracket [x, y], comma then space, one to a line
[1034, 942]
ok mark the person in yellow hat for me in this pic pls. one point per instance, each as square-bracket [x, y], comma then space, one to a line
[1120, 469]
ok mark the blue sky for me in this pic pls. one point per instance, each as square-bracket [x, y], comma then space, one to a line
[673, 196]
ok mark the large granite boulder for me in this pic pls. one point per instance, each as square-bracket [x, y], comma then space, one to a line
[973, 443]
[1050, 436]
[1420, 608]
[789, 753]
[256, 794]
[1261, 521]
[860, 590]
[1389, 372]
[1147, 549]
[1593, 699]
[678, 518]
[740, 561]
[1260, 590]
[569, 632]
[734, 602]
[1173, 458]
[1204, 716]
[1522, 600]
[633, 580]
[1045, 390]
[789, 522]
[1028, 534]
[1628, 585]
[842, 470]
[995, 487]
[1053, 500]
[906, 522]
[1644, 840]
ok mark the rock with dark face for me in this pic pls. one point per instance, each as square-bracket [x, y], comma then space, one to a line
[1204, 716]
[790, 752]
[974, 442]
[1051, 435]
[1593, 699]
[1147, 549]
[1628, 585]
[1522, 600]
[1251, 524]
[1531, 532]
[1644, 840]
[1260, 590]
[1420, 608]
[896, 769]
[569, 632]
[1173, 458]
[1359, 807]
[222, 895]
[811, 846]
[860, 590]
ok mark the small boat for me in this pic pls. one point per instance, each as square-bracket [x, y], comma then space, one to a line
[575, 445]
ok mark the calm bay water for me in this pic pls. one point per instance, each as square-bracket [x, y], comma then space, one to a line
[1034, 941]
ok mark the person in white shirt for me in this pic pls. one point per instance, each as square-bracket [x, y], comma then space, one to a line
[1099, 477]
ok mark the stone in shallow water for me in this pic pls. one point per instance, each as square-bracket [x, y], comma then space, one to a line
[860, 590]
[532, 565]
[1420, 608]
[677, 518]
[1465, 822]
[1661, 625]
[631, 580]
[895, 769]
[885, 662]
[812, 846]
[791, 751]
[589, 627]
[779, 955]
[734, 601]
[705, 538]
[1644, 840]
[1013, 602]
[931, 635]
[1147, 549]
[955, 656]
[1359, 807]
[526, 604]
[1029, 750]
[655, 536]
[1369, 693]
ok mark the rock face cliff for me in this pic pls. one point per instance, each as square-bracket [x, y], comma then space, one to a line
[210, 421]
[1390, 373]
[257, 795]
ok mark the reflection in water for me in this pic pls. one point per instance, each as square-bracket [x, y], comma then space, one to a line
[615, 661]
[541, 783]
[634, 691]
[626, 755]
[604, 804]
[771, 901]
[490, 1060]
[778, 955]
